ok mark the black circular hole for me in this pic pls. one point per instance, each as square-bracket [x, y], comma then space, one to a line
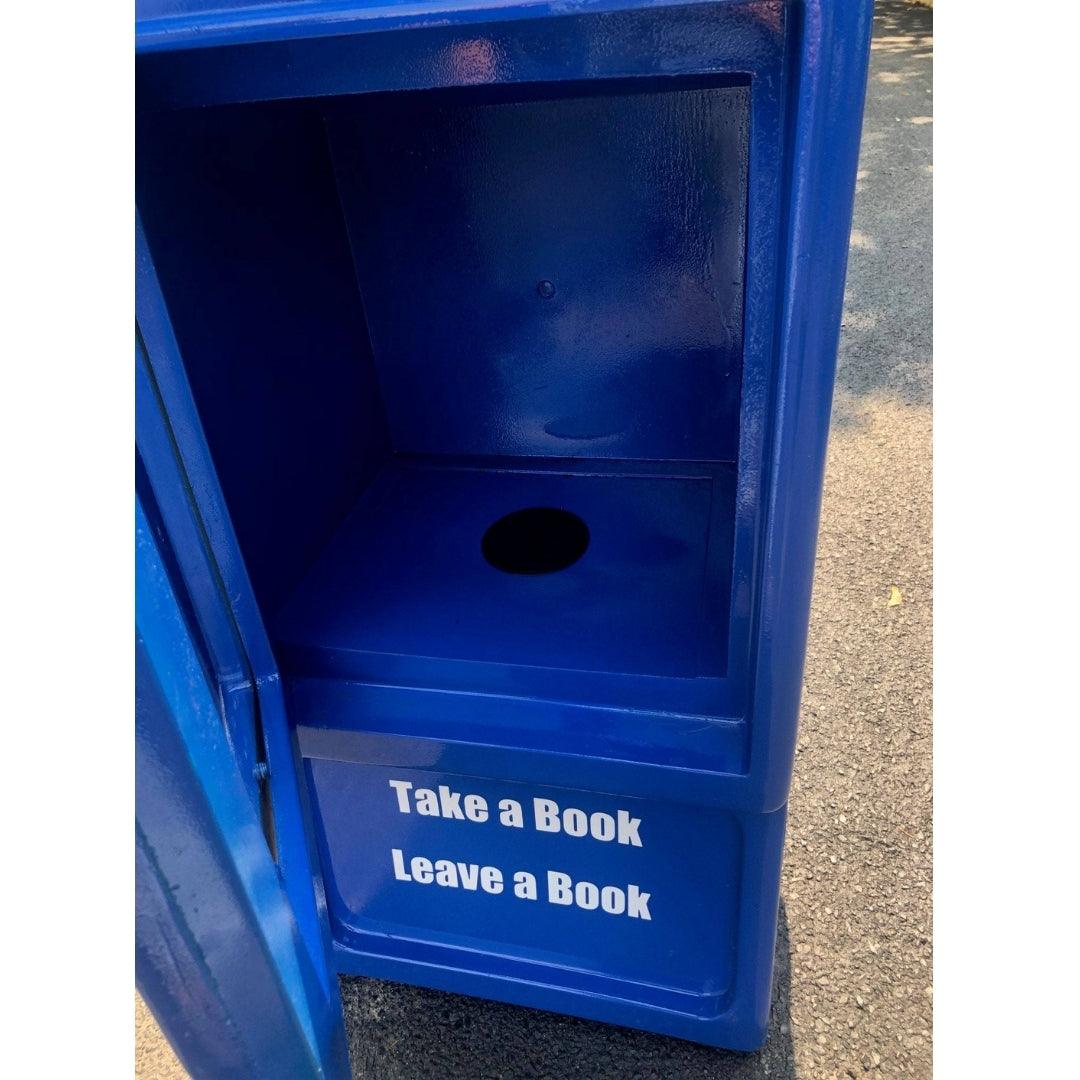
[539, 540]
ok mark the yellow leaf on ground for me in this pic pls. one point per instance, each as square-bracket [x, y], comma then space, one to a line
[895, 597]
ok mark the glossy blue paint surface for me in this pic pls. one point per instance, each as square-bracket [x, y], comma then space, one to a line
[218, 954]
[676, 952]
[176, 521]
[481, 260]
[637, 351]
[405, 574]
[213, 584]
[699, 967]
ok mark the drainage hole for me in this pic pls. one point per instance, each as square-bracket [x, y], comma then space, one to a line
[538, 540]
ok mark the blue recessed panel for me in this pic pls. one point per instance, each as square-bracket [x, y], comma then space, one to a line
[638, 890]
[558, 273]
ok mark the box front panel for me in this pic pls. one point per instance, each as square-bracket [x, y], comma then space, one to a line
[638, 891]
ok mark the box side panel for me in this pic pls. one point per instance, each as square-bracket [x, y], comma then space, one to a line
[242, 218]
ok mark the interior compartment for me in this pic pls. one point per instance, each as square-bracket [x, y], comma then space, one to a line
[406, 317]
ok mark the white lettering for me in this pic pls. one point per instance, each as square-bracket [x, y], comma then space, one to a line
[612, 899]
[421, 870]
[401, 789]
[446, 874]
[559, 888]
[602, 826]
[638, 904]
[450, 803]
[525, 885]
[449, 875]
[586, 895]
[444, 802]
[476, 808]
[628, 829]
[511, 814]
[546, 815]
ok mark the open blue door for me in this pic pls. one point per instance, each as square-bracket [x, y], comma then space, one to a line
[230, 927]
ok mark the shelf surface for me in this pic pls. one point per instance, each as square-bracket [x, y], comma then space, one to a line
[405, 574]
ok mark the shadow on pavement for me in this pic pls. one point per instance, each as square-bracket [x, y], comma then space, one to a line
[887, 335]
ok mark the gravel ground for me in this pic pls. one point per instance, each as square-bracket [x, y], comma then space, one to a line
[154, 1057]
[853, 977]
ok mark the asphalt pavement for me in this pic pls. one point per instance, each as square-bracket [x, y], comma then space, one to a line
[853, 978]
